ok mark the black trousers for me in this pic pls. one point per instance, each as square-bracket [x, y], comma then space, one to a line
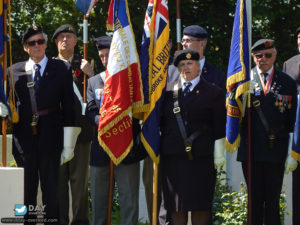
[266, 187]
[43, 166]
[296, 196]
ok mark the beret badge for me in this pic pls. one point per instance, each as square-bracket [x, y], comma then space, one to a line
[34, 27]
[188, 55]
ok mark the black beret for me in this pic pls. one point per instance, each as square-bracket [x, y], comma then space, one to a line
[103, 42]
[263, 44]
[66, 28]
[186, 54]
[297, 31]
[195, 31]
[31, 31]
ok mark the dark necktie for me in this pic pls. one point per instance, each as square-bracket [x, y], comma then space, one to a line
[264, 76]
[186, 90]
[37, 75]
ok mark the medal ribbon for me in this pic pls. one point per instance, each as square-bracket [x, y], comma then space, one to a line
[269, 81]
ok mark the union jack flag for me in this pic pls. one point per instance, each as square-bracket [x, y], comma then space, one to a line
[154, 58]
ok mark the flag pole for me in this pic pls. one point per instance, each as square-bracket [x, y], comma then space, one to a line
[249, 21]
[85, 43]
[4, 123]
[154, 203]
[110, 192]
[178, 25]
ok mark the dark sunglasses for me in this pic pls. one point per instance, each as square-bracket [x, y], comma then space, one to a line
[260, 55]
[39, 42]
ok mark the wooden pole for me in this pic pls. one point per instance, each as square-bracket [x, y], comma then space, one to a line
[85, 43]
[4, 123]
[154, 206]
[178, 25]
[248, 8]
[110, 192]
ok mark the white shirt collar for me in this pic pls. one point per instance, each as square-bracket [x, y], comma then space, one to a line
[269, 71]
[42, 63]
[194, 82]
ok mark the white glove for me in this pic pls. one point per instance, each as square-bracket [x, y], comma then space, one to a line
[219, 153]
[3, 110]
[86, 68]
[83, 107]
[245, 95]
[290, 163]
[70, 138]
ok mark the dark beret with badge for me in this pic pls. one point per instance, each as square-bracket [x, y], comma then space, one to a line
[186, 54]
[66, 28]
[31, 31]
[263, 44]
[103, 42]
[195, 31]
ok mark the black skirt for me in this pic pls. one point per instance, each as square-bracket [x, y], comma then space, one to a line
[188, 185]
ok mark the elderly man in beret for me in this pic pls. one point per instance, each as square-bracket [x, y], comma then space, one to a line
[273, 108]
[44, 101]
[193, 118]
[73, 172]
[292, 67]
[126, 174]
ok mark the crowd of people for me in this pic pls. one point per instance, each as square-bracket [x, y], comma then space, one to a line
[56, 141]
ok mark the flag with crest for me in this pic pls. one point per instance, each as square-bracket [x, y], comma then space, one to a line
[122, 94]
[238, 75]
[154, 58]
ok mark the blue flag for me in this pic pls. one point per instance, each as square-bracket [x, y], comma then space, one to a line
[238, 75]
[2, 94]
[85, 6]
[154, 59]
[296, 137]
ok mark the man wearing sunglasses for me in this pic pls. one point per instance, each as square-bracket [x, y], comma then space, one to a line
[273, 109]
[292, 67]
[195, 38]
[74, 168]
[44, 101]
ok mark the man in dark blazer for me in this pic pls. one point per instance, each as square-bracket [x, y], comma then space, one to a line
[75, 171]
[45, 104]
[274, 102]
[125, 175]
[195, 38]
[292, 67]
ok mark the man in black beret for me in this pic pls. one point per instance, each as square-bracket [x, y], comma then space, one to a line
[273, 109]
[195, 37]
[292, 67]
[125, 175]
[75, 165]
[45, 130]
[193, 120]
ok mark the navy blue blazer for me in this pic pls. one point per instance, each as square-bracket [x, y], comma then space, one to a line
[55, 91]
[94, 90]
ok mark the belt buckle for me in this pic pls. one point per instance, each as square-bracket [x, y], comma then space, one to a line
[176, 110]
[256, 103]
[30, 84]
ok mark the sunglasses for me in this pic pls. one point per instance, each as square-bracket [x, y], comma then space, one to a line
[39, 42]
[268, 55]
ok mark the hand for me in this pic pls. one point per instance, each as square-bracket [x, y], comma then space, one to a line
[66, 155]
[290, 164]
[83, 107]
[219, 153]
[3, 110]
[70, 138]
[86, 68]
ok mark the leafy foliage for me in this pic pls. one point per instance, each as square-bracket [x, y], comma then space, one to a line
[230, 207]
[271, 19]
